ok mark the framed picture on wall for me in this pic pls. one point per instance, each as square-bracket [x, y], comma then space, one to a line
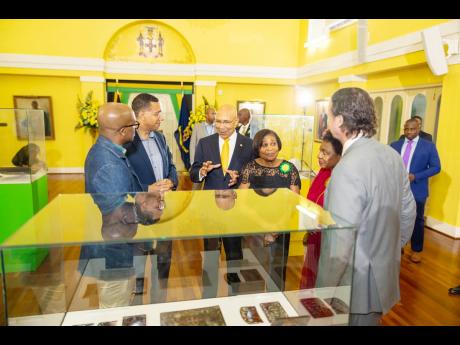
[320, 119]
[35, 103]
[255, 107]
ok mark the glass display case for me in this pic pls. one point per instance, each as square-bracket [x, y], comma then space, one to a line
[23, 178]
[296, 134]
[181, 258]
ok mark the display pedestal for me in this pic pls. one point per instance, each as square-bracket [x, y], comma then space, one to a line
[21, 198]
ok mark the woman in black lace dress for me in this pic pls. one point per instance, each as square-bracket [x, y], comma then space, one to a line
[267, 171]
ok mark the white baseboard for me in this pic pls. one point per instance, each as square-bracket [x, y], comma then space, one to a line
[449, 230]
[73, 170]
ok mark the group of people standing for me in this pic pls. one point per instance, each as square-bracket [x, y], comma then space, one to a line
[353, 183]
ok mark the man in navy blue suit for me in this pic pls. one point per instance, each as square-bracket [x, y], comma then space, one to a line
[151, 159]
[218, 161]
[149, 153]
[422, 161]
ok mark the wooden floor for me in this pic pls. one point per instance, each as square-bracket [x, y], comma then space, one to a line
[424, 298]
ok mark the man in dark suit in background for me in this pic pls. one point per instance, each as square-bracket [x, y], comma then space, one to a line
[422, 134]
[218, 160]
[421, 160]
[151, 159]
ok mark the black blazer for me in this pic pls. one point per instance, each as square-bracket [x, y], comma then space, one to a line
[140, 161]
[208, 150]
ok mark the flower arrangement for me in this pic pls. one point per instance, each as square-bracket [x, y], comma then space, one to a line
[197, 116]
[88, 114]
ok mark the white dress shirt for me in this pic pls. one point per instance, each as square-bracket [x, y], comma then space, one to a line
[243, 129]
[231, 143]
[403, 149]
[350, 142]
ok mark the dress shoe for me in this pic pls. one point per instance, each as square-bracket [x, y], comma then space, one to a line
[455, 291]
[415, 257]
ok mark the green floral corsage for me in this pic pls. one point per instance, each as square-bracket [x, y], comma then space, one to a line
[285, 168]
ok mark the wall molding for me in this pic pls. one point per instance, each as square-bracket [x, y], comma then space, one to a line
[449, 230]
[150, 69]
[73, 170]
[398, 46]
[205, 83]
[331, 64]
[246, 71]
[352, 78]
[92, 79]
[453, 60]
[51, 62]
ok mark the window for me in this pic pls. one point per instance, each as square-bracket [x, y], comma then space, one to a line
[395, 119]
[378, 102]
[419, 106]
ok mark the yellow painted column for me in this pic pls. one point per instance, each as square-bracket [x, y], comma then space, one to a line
[206, 88]
[443, 207]
[97, 85]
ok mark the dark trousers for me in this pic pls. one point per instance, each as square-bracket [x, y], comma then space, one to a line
[232, 246]
[419, 227]
[278, 257]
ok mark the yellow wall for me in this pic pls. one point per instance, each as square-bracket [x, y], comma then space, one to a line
[279, 99]
[408, 77]
[262, 42]
[70, 147]
[385, 29]
[345, 40]
[340, 42]
[444, 199]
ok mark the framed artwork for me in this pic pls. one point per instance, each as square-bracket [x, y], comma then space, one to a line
[320, 119]
[35, 103]
[255, 107]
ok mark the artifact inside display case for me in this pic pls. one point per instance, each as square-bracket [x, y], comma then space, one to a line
[23, 181]
[292, 321]
[273, 311]
[179, 259]
[135, 320]
[316, 307]
[210, 316]
[339, 306]
[250, 315]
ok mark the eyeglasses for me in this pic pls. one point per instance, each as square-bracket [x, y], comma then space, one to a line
[135, 125]
[223, 122]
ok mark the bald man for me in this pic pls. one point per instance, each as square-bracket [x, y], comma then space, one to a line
[236, 149]
[107, 170]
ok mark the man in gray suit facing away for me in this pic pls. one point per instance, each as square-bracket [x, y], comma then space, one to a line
[369, 187]
[201, 130]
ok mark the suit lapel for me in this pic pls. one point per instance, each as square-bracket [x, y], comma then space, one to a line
[236, 151]
[163, 154]
[215, 152]
[417, 149]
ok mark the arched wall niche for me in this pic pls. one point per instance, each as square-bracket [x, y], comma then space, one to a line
[149, 41]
